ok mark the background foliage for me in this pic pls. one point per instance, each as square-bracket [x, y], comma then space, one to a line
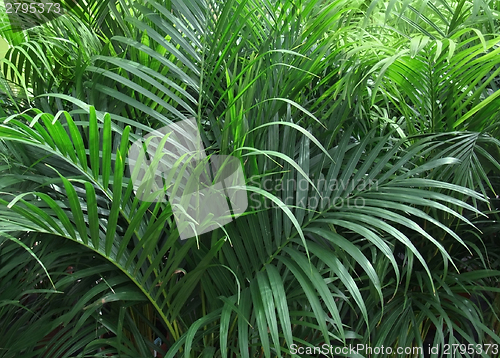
[388, 110]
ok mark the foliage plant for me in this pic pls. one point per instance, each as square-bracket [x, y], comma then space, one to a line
[367, 132]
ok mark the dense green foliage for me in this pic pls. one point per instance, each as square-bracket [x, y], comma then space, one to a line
[384, 112]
